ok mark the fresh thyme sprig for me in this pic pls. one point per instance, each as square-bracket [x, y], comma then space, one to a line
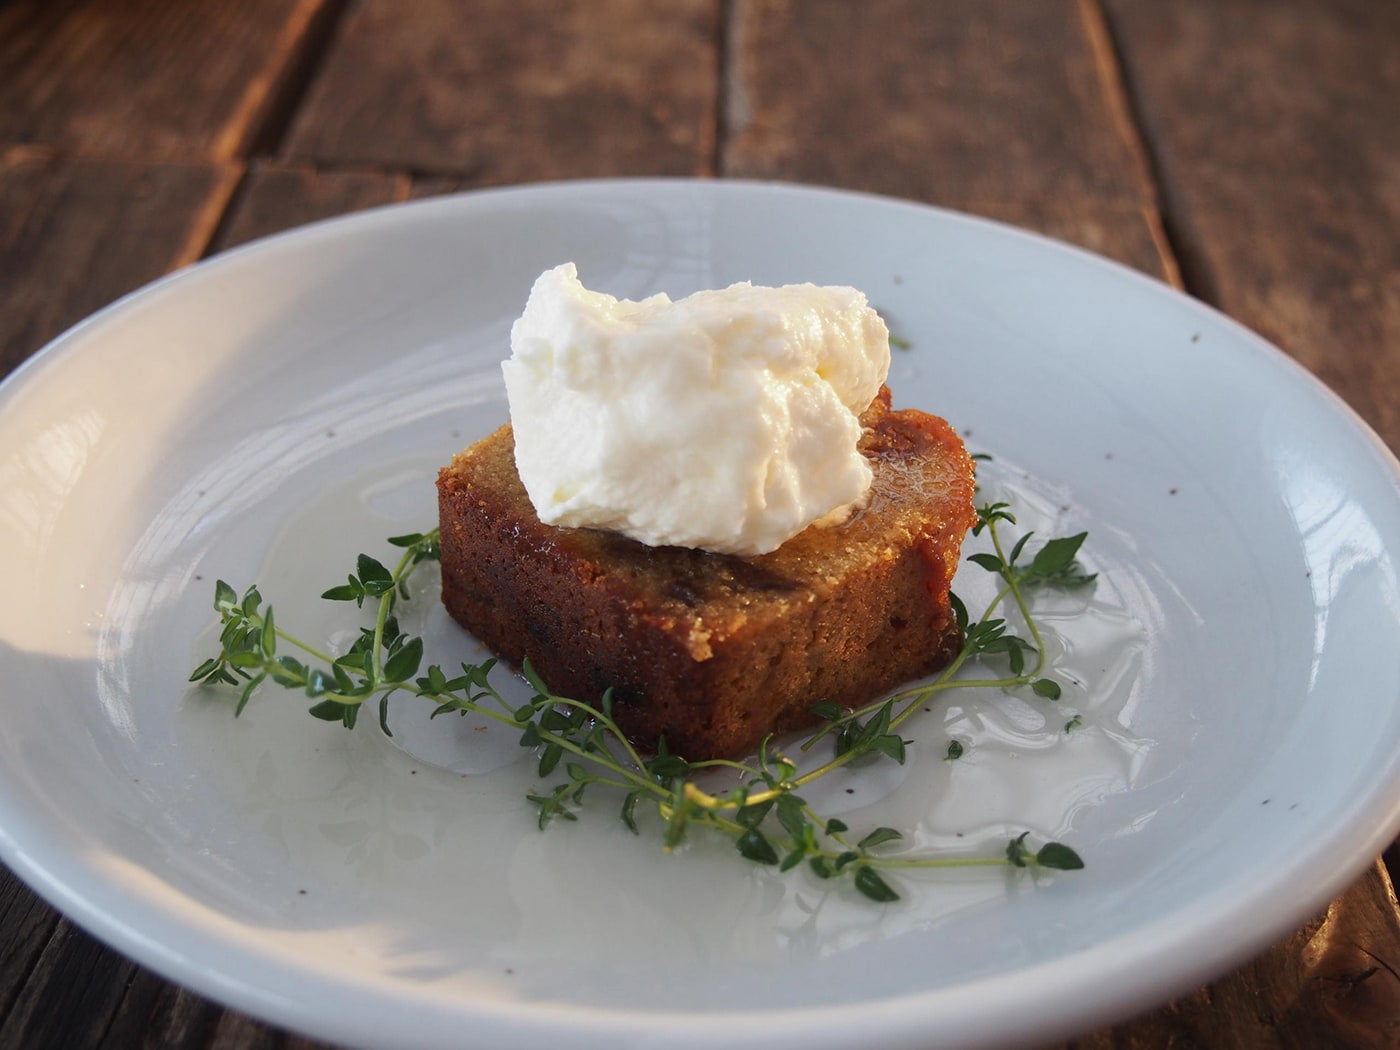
[768, 820]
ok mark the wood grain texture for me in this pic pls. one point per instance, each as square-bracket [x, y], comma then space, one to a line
[146, 79]
[77, 234]
[276, 197]
[927, 100]
[1011, 111]
[27, 924]
[1277, 90]
[70, 994]
[518, 90]
[1275, 128]
[155, 1013]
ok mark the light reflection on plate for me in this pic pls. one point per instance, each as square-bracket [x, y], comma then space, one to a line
[1236, 763]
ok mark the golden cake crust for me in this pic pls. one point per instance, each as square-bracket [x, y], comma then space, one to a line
[714, 651]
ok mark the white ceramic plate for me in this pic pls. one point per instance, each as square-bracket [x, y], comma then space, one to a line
[268, 415]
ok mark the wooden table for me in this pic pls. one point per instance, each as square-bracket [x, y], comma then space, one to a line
[1247, 151]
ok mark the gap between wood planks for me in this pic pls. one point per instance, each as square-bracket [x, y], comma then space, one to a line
[1185, 268]
[264, 114]
[270, 100]
[724, 43]
[1122, 111]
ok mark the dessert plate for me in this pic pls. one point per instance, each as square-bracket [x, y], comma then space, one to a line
[1226, 757]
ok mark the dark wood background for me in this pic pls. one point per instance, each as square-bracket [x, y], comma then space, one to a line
[1246, 151]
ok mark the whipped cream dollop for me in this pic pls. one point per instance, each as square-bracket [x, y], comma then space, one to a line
[726, 420]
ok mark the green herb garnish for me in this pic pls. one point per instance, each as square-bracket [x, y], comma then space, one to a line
[765, 816]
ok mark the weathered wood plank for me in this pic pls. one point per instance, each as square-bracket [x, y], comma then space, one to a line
[26, 925]
[147, 79]
[156, 1013]
[77, 234]
[518, 90]
[1012, 111]
[70, 996]
[1275, 127]
[238, 1030]
[1278, 90]
[275, 197]
[928, 100]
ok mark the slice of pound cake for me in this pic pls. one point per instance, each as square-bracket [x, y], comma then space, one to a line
[715, 651]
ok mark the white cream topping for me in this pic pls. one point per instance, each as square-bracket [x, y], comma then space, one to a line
[726, 420]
